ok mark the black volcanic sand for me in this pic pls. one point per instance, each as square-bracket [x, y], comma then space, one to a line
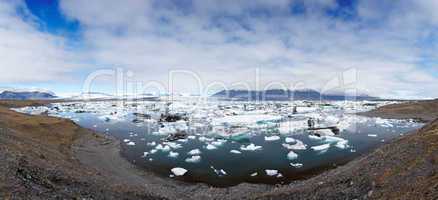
[50, 158]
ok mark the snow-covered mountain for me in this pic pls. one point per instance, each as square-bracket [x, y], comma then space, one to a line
[23, 94]
[283, 95]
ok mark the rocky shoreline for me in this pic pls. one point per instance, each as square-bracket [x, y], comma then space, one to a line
[48, 158]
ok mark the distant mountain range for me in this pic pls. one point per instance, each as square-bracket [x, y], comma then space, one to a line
[284, 95]
[23, 95]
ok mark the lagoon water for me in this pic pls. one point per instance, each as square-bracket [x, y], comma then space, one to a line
[222, 161]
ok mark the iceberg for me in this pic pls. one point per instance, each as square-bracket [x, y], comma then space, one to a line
[178, 171]
[210, 147]
[254, 174]
[173, 154]
[272, 138]
[289, 140]
[165, 148]
[323, 147]
[271, 172]
[126, 140]
[299, 145]
[194, 152]
[292, 155]
[296, 165]
[250, 147]
[235, 151]
[131, 143]
[193, 159]
[372, 135]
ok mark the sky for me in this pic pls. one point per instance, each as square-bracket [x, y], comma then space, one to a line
[382, 48]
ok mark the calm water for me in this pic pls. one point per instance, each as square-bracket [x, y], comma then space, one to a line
[248, 166]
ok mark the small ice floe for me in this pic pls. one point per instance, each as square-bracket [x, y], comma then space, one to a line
[250, 147]
[289, 140]
[145, 154]
[126, 140]
[193, 159]
[235, 151]
[272, 138]
[194, 152]
[177, 171]
[130, 143]
[384, 122]
[323, 147]
[210, 147]
[314, 137]
[254, 174]
[153, 151]
[219, 172]
[280, 175]
[292, 155]
[183, 140]
[173, 145]
[299, 145]
[164, 148]
[204, 139]
[173, 154]
[192, 137]
[218, 143]
[151, 159]
[340, 142]
[271, 172]
[292, 126]
[151, 143]
[296, 165]
[372, 135]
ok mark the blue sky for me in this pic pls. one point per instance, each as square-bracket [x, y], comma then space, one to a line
[57, 44]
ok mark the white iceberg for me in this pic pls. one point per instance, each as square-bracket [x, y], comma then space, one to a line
[173, 154]
[289, 140]
[299, 145]
[131, 143]
[372, 135]
[210, 147]
[271, 172]
[254, 174]
[194, 152]
[193, 159]
[126, 140]
[292, 155]
[250, 147]
[178, 171]
[296, 165]
[235, 151]
[323, 147]
[272, 138]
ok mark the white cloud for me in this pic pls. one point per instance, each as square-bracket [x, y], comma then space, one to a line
[224, 41]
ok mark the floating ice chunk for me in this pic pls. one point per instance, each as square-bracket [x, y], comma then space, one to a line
[342, 144]
[164, 148]
[193, 159]
[254, 174]
[183, 140]
[173, 154]
[280, 175]
[289, 140]
[174, 145]
[372, 135]
[151, 143]
[324, 132]
[166, 130]
[178, 171]
[204, 139]
[296, 165]
[333, 139]
[145, 154]
[292, 155]
[235, 151]
[272, 138]
[153, 151]
[126, 140]
[250, 147]
[194, 152]
[218, 143]
[210, 147]
[131, 143]
[219, 172]
[323, 147]
[271, 172]
[314, 137]
[299, 145]
[192, 137]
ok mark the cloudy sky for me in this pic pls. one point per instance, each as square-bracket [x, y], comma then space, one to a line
[390, 46]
